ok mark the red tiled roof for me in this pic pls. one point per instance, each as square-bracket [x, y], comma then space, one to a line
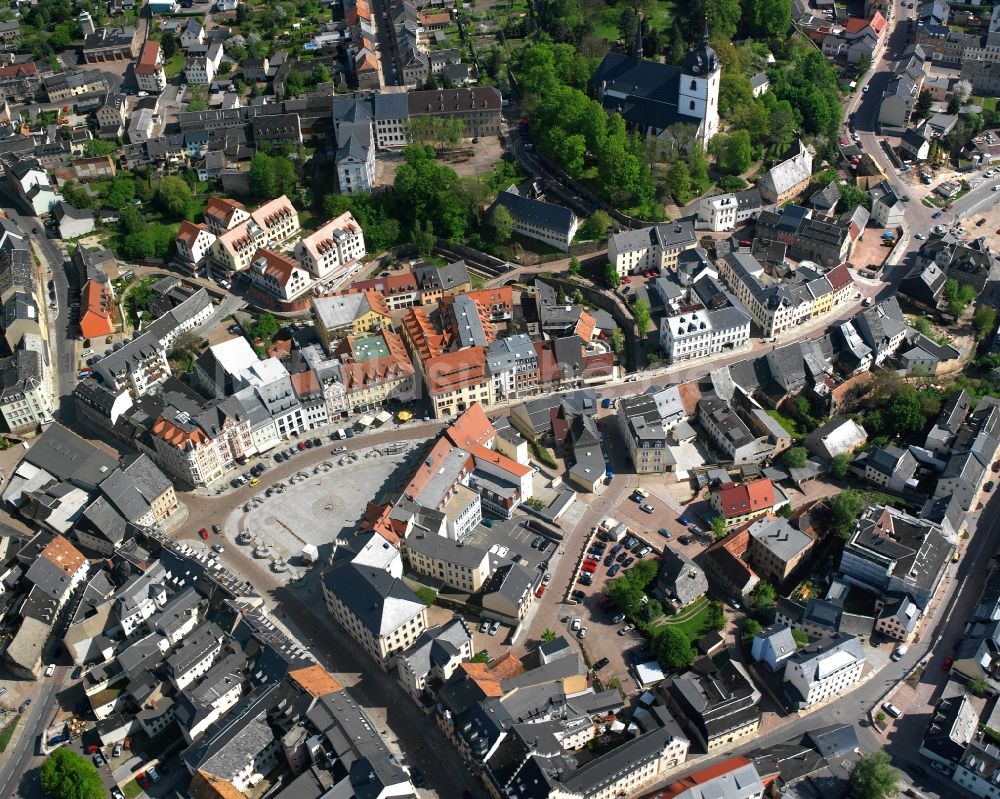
[188, 232]
[839, 277]
[96, 310]
[456, 370]
[500, 461]
[585, 326]
[739, 500]
[222, 208]
[305, 383]
[147, 58]
[701, 777]
[472, 428]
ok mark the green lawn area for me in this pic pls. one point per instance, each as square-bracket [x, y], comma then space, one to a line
[985, 102]
[791, 426]
[692, 620]
[8, 732]
[131, 789]
[175, 66]
[605, 20]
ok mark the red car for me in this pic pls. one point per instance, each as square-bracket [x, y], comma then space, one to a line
[301, 445]
[949, 206]
[539, 592]
[590, 567]
[626, 280]
[995, 467]
[946, 663]
[203, 532]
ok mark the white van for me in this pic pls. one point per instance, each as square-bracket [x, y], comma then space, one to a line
[899, 654]
[892, 710]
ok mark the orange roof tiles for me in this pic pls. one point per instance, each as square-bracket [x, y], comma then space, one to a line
[315, 680]
[507, 667]
[400, 283]
[423, 335]
[500, 461]
[96, 308]
[63, 555]
[586, 326]
[701, 777]
[839, 277]
[305, 383]
[428, 468]
[377, 521]
[472, 428]
[188, 232]
[739, 500]
[222, 208]
[454, 371]
[494, 297]
[177, 437]
[148, 57]
[361, 374]
[485, 680]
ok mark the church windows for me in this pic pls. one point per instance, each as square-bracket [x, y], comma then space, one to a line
[694, 85]
[692, 105]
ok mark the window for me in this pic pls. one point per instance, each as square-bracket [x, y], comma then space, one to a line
[694, 86]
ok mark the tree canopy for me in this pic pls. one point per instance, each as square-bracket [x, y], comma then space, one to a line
[673, 649]
[67, 775]
[874, 777]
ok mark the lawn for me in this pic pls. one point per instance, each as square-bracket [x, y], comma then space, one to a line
[175, 66]
[8, 732]
[692, 620]
[791, 426]
[987, 103]
[131, 789]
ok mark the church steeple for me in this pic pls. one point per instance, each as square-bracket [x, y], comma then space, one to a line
[704, 35]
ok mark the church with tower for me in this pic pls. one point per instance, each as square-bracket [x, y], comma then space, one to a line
[652, 96]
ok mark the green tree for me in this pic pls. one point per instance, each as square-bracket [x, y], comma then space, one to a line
[985, 320]
[678, 182]
[922, 108]
[423, 237]
[92, 148]
[764, 597]
[906, 413]
[629, 590]
[851, 197]
[121, 193]
[673, 649]
[319, 74]
[796, 457]
[173, 195]
[723, 17]
[864, 64]
[503, 224]
[425, 190]
[750, 628]
[874, 777]
[611, 276]
[266, 327]
[196, 100]
[641, 312]
[578, 297]
[295, 84]
[548, 635]
[979, 687]
[841, 465]
[676, 48]
[716, 616]
[719, 527]
[574, 265]
[67, 775]
[736, 154]
[597, 225]
[845, 508]
[168, 45]
[618, 342]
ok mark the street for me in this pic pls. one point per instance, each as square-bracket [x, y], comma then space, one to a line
[16, 779]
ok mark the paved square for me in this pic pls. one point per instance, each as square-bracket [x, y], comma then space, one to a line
[316, 509]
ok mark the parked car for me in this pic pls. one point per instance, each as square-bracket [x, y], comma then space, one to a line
[77, 672]
[218, 548]
[647, 507]
[494, 628]
[616, 549]
[117, 752]
[609, 560]
[582, 634]
[99, 759]
[614, 570]
[892, 710]
[684, 539]
[626, 629]
[575, 624]
[484, 626]
[203, 533]
[618, 618]
[899, 654]
[664, 532]
[600, 664]
[50, 669]
[578, 595]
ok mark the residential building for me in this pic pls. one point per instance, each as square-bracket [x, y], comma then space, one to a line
[73, 222]
[739, 504]
[278, 276]
[892, 552]
[26, 399]
[434, 658]
[333, 252]
[888, 208]
[536, 219]
[789, 177]
[455, 380]
[776, 549]
[200, 68]
[149, 72]
[891, 467]
[839, 436]
[31, 183]
[898, 618]
[509, 594]
[680, 579]
[729, 433]
[700, 333]
[68, 85]
[271, 224]
[194, 242]
[350, 314]
[222, 214]
[461, 566]
[773, 645]
[719, 709]
[735, 778]
[374, 369]
[655, 248]
[645, 436]
[377, 610]
[729, 211]
[824, 670]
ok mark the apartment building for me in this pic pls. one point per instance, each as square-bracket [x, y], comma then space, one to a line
[729, 211]
[729, 433]
[455, 380]
[535, 219]
[67, 85]
[776, 549]
[719, 709]
[271, 224]
[823, 670]
[739, 504]
[787, 178]
[149, 72]
[374, 369]
[376, 609]
[26, 399]
[512, 362]
[441, 483]
[333, 252]
[655, 248]
[463, 567]
[278, 276]
[194, 242]
[700, 333]
[202, 64]
[222, 214]
[643, 431]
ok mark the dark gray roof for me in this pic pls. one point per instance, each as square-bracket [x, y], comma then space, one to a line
[378, 600]
[66, 456]
[552, 217]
